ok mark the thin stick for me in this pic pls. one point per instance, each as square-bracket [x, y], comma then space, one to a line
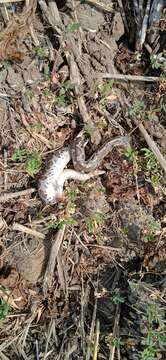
[96, 344]
[49, 273]
[133, 77]
[115, 331]
[28, 231]
[9, 196]
[160, 158]
[152, 145]
[90, 337]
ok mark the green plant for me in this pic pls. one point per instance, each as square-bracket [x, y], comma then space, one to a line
[41, 52]
[33, 163]
[72, 194]
[102, 124]
[4, 310]
[163, 104]
[29, 94]
[33, 160]
[72, 27]
[131, 154]
[118, 298]
[153, 226]
[140, 110]
[100, 189]
[154, 179]
[47, 92]
[65, 97]
[94, 221]
[157, 61]
[151, 162]
[59, 224]
[89, 130]
[137, 109]
[116, 341]
[36, 127]
[106, 87]
[19, 155]
[155, 313]
[148, 353]
[46, 74]
[111, 340]
[105, 90]
[155, 339]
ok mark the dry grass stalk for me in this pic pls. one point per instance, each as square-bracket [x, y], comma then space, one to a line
[160, 158]
[90, 338]
[151, 143]
[115, 332]
[26, 230]
[10, 196]
[137, 78]
[96, 343]
[49, 273]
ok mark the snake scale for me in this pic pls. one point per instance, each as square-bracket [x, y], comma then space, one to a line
[51, 183]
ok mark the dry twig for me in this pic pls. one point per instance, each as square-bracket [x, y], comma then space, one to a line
[115, 332]
[160, 158]
[122, 77]
[96, 343]
[90, 337]
[152, 145]
[10, 196]
[26, 230]
[49, 273]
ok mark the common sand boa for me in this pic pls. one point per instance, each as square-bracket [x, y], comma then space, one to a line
[51, 183]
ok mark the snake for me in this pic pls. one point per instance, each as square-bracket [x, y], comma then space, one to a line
[51, 182]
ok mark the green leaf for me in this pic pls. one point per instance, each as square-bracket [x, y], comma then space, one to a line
[19, 155]
[59, 224]
[4, 309]
[72, 27]
[33, 163]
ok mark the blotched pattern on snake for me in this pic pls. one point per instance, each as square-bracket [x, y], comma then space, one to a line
[51, 183]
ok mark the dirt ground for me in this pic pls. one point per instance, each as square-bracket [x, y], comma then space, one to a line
[83, 278]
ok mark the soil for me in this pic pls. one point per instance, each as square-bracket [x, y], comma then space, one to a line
[84, 278]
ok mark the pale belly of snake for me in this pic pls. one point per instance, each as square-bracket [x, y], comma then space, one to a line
[51, 183]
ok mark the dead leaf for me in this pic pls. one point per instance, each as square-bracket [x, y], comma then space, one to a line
[12, 36]
[14, 290]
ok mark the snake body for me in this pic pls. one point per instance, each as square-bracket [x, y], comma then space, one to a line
[78, 153]
[51, 183]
